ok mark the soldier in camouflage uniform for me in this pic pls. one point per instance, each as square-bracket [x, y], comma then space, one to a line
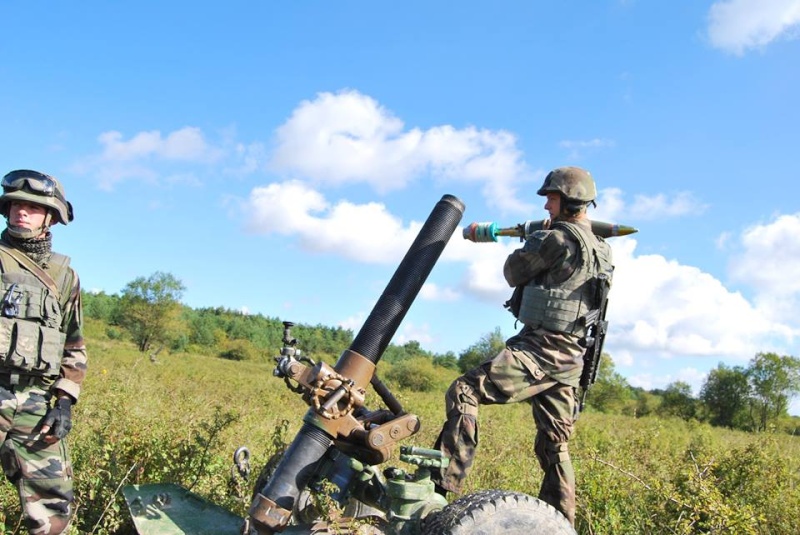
[542, 364]
[42, 353]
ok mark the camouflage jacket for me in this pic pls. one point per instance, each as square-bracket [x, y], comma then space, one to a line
[73, 358]
[550, 257]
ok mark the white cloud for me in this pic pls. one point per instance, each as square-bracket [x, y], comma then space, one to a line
[186, 144]
[354, 322]
[738, 25]
[433, 292]
[348, 138]
[410, 332]
[483, 276]
[768, 261]
[121, 159]
[648, 381]
[770, 257]
[659, 306]
[611, 205]
[660, 206]
[293, 208]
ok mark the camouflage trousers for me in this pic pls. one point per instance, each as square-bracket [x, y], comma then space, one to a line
[41, 472]
[512, 377]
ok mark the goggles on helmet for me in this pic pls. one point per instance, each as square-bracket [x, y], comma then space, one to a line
[33, 181]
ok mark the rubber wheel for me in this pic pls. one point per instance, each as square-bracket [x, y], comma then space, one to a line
[491, 512]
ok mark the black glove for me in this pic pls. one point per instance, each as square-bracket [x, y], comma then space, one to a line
[58, 419]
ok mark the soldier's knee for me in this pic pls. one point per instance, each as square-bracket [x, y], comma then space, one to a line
[462, 398]
[549, 452]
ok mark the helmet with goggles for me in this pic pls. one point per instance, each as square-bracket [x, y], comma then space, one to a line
[24, 185]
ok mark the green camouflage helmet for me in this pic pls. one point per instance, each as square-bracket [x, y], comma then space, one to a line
[36, 188]
[574, 183]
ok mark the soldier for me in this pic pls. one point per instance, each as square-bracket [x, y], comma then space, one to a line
[42, 353]
[557, 270]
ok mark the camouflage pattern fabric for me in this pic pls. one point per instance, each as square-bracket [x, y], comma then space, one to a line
[511, 377]
[41, 472]
[538, 366]
[74, 357]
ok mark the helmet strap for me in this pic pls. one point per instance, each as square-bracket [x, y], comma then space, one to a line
[29, 233]
[23, 233]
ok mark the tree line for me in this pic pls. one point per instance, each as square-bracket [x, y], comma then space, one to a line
[149, 312]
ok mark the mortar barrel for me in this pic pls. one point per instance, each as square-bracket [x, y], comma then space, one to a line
[390, 309]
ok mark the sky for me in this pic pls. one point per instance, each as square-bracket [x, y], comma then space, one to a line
[280, 157]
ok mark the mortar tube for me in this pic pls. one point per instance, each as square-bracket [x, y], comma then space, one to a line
[297, 466]
[301, 460]
[392, 306]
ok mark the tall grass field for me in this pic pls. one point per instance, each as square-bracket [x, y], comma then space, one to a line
[179, 418]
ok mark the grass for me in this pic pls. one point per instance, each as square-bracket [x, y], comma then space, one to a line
[180, 418]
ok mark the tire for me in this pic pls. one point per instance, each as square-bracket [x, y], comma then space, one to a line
[496, 512]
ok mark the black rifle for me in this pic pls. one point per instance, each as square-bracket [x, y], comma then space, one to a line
[596, 329]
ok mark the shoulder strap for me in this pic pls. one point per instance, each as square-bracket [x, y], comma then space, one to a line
[58, 268]
[31, 266]
[575, 230]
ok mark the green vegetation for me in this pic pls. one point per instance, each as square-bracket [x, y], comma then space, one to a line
[175, 408]
[150, 310]
[150, 314]
[179, 417]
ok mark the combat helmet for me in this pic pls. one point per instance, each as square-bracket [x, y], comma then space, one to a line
[36, 188]
[574, 183]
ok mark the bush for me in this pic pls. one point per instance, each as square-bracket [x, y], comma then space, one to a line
[114, 334]
[415, 374]
[239, 350]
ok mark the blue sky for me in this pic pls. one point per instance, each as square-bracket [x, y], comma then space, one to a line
[280, 157]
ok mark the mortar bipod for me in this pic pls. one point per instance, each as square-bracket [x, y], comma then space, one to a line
[337, 399]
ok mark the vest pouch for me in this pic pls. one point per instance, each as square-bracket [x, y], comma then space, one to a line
[34, 348]
[51, 351]
[6, 335]
[562, 313]
[24, 352]
[52, 312]
[555, 309]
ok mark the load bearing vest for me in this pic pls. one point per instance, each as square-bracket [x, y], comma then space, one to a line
[562, 307]
[31, 340]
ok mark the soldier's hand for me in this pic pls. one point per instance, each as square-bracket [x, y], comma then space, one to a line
[58, 420]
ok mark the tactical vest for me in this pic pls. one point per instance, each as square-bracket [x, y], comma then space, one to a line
[31, 340]
[562, 307]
